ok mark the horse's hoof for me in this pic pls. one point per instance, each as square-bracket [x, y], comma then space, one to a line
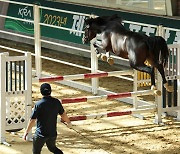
[110, 61]
[103, 57]
[153, 87]
[157, 92]
[168, 88]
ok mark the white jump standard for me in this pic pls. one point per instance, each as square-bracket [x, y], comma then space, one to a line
[15, 96]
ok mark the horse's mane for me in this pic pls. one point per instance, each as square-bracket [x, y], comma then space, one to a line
[102, 20]
[114, 17]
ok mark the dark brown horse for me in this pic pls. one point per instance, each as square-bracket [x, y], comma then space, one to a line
[134, 46]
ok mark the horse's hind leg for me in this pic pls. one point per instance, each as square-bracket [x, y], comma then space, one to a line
[150, 71]
[146, 69]
[161, 71]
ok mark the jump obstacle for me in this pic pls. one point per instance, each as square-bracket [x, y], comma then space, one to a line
[104, 97]
[159, 108]
[83, 99]
[109, 97]
[16, 93]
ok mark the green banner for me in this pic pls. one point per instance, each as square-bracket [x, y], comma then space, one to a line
[23, 12]
[76, 22]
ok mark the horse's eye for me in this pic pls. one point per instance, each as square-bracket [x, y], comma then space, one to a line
[86, 27]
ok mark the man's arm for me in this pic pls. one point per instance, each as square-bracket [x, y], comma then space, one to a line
[31, 123]
[65, 118]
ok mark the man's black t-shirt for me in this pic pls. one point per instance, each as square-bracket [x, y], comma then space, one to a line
[46, 111]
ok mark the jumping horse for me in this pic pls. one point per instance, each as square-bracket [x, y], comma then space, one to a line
[136, 47]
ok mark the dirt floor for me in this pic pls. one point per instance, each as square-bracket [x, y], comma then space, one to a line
[115, 135]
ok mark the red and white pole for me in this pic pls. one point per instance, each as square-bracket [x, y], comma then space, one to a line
[107, 97]
[83, 76]
[110, 114]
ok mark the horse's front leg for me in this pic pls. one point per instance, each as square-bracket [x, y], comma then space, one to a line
[105, 57]
[109, 59]
[98, 45]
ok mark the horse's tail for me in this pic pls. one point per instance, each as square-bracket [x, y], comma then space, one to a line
[164, 51]
[158, 46]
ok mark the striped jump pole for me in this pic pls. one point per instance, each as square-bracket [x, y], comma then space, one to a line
[109, 97]
[83, 76]
[110, 114]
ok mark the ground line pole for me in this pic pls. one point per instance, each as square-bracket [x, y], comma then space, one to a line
[37, 40]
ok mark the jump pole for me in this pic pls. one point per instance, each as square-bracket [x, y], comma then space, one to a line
[110, 114]
[109, 97]
[83, 76]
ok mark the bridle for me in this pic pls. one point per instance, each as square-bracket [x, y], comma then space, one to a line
[86, 37]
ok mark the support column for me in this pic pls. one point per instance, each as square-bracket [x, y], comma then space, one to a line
[2, 97]
[37, 41]
[158, 99]
[178, 81]
[94, 68]
[28, 88]
[135, 88]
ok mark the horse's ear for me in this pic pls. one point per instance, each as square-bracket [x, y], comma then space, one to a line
[88, 21]
[93, 16]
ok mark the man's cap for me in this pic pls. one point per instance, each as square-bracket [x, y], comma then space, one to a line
[45, 89]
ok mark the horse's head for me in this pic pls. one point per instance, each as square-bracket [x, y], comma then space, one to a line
[90, 30]
[96, 25]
